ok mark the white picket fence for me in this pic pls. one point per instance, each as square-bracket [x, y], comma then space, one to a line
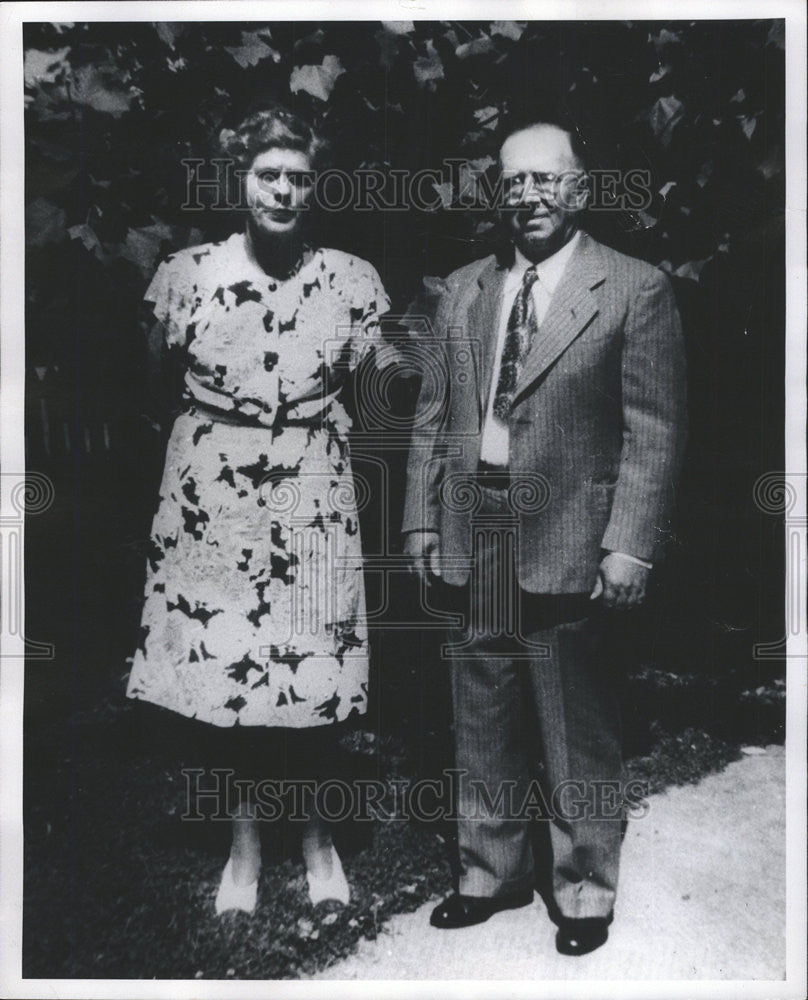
[57, 429]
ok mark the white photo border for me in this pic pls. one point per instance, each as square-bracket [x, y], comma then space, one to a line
[12, 459]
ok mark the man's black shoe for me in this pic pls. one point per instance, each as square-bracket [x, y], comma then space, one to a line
[579, 937]
[463, 911]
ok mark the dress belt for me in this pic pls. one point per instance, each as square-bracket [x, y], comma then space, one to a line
[235, 419]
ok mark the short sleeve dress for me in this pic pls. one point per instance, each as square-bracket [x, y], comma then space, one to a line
[254, 609]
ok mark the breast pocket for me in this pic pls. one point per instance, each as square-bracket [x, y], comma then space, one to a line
[594, 347]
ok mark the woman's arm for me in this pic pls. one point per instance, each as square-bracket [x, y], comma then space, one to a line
[164, 370]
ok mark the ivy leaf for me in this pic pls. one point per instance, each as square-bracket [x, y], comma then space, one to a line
[96, 88]
[44, 67]
[772, 164]
[470, 188]
[315, 38]
[660, 73]
[665, 38]
[428, 68]
[252, 50]
[692, 268]
[48, 103]
[482, 163]
[317, 80]
[645, 220]
[388, 38]
[748, 124]
[487, 117]
[44, 223]
[388, 47]
[445, 191]
[88, 238]
[399, 27]
[143, 246]
[476, 47]
[664, 116]
[777, 34]
[508, 29]
[169, 31]
[704, 174]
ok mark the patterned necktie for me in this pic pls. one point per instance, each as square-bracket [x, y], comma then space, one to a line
[521, 327]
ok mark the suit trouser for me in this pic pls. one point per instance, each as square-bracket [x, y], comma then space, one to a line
[520, 659]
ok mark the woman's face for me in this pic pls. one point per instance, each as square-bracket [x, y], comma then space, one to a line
[279, 185]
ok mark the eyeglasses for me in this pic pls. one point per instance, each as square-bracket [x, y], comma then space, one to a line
[519, 185]
[302, 180]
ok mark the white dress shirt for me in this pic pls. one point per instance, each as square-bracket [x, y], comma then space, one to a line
[494, 448]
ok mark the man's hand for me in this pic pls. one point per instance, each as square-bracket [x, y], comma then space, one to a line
[621, 582]
[423, 548]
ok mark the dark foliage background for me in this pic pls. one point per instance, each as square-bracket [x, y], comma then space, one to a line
[111, 112]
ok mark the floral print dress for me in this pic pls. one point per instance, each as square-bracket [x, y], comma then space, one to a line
[254, 602]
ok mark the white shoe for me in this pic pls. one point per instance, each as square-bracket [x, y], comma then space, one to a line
[235, 897]
[336, 887]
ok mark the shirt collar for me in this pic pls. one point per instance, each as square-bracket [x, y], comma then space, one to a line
[550, 269]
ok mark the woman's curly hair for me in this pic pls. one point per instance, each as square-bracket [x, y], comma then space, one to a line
[272, 126]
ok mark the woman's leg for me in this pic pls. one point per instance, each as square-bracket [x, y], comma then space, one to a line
[308, 754]
[294, 754]
[245, 851]
[237, 750]
[297, 755]
[317, 847]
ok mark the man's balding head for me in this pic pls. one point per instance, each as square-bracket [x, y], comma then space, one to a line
[545, 185]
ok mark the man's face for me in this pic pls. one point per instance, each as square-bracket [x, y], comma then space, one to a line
[279, 186]
[544, 193]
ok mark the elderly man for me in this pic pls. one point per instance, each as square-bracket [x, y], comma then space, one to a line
[557, 405]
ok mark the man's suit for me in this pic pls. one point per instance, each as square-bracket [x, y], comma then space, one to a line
[596, 432]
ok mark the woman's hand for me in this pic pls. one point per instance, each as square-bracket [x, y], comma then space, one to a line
[423, 548]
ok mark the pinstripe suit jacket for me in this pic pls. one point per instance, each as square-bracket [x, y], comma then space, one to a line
[596, 430]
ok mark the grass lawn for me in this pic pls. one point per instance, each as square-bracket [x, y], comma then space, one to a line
[117, 885]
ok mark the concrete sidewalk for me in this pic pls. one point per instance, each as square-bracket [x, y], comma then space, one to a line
[702, 896]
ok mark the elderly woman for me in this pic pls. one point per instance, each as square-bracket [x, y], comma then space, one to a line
[253, 620]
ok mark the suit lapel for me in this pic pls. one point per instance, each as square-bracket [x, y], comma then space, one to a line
[483, 324]
[571, 309]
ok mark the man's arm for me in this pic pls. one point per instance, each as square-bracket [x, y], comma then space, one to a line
[421, 518]
[654, 428]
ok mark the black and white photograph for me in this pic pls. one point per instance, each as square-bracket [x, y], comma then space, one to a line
[403, 499]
